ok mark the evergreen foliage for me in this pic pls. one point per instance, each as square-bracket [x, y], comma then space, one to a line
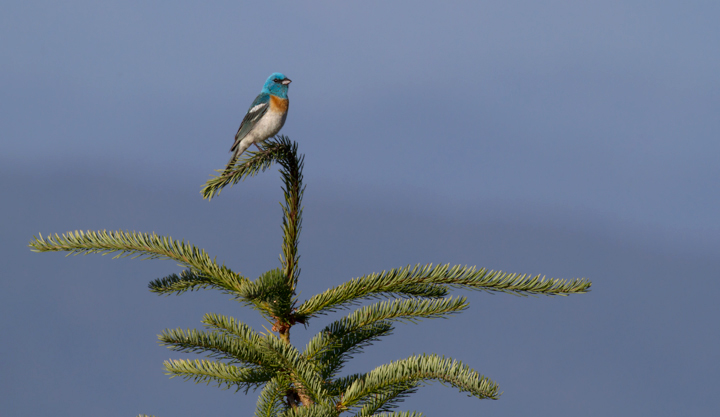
[308, 383]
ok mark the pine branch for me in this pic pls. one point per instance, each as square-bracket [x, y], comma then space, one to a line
[223, 375]
[301, 372]
[337, 343]
[387, 400]
[230, 326]
[379, 315]
[178, 284]
[332, 347]
[443, 276]
[396, 282]
[399, 414]
[270, 402]
[419, 369]
[256, 162]
[315, 410]
[285, 152]
[231, 340]
[218, 345]
[143, 246]
[339, 385]
[271, 294]
[293, 189]
[411, 310]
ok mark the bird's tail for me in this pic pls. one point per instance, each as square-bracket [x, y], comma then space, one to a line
[236, 150]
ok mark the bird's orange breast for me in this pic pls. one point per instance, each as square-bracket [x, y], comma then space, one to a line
[278, 104]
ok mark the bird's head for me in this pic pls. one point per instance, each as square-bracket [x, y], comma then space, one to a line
[277, 85]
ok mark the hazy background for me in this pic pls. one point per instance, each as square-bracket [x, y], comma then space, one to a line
[571, 139]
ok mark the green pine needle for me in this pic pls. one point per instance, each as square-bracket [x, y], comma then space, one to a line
[394, 281]
[315, 410]
[417, 369]
[300, 370]
[144, 246]
[280, 147]
[271, 400]
[178, 284]
[214, 372]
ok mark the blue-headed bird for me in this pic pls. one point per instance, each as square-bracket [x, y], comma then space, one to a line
[265, 117]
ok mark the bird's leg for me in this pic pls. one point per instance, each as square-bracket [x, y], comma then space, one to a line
[258, 146]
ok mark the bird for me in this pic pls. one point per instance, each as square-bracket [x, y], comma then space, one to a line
[265, 117]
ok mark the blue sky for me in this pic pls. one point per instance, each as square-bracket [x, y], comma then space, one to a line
[572, 139]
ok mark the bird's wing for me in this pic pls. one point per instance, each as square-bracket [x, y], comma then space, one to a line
[257, 109]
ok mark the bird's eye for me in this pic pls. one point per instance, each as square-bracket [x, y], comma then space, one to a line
[278, 80]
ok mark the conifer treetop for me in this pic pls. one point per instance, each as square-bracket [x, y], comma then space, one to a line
[308, 382]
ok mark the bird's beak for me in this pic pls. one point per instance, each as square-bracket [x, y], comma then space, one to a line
[286, 81]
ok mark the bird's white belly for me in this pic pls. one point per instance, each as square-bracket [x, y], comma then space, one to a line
[267, 126]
